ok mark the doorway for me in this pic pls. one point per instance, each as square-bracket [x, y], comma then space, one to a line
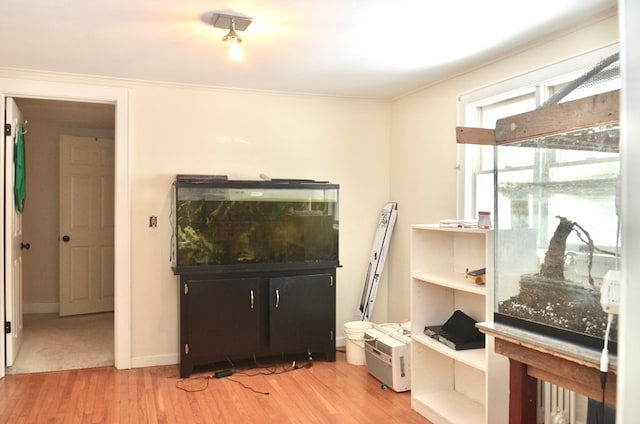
[52, 342]
[118, 97]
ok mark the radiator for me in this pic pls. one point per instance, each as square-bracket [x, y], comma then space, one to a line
[557, 405]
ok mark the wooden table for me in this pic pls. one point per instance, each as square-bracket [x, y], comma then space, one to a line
[533, 356]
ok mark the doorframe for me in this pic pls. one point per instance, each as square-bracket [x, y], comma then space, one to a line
[122, 205]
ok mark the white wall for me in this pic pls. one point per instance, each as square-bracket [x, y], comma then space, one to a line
[195, 130]
[423, 143]
[188, 130]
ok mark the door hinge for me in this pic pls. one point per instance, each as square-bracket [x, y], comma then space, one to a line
[7, 129]
[7, 327]
[186, 289]
[186, 348]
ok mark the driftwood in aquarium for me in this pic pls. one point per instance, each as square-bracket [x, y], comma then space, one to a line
[553, 265]
[549, 299]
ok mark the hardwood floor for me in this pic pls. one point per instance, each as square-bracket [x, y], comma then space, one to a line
[323, 393]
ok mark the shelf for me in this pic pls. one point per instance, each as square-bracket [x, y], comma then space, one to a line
[453, 280]
[448, 385]
[448, 407]
[475, 358]
[436, 227]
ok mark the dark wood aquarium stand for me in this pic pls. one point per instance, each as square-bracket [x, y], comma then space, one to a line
[256, 315]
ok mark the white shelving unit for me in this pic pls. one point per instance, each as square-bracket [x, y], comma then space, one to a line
[449, 386]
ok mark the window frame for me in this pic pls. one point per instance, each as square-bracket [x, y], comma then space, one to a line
[539, 81]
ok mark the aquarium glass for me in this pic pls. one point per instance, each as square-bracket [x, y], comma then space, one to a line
[239, 223]
[557, 226]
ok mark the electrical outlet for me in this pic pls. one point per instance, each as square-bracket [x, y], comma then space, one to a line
[153, 221]
[610, 292]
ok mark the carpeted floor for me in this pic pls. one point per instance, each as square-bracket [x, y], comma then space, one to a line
[53, 343]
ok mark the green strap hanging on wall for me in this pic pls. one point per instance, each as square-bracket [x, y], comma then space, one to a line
[19, 184]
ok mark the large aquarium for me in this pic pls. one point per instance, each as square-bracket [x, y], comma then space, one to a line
[224, 225]
[557, 233]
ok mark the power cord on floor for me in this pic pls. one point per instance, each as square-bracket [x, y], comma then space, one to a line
[273, 370]
[227, 373]
[247, 387]
[218, 374]
[180, 384]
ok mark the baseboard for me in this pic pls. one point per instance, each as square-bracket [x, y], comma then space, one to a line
[155, 360]
[173, 359]
[41, 308]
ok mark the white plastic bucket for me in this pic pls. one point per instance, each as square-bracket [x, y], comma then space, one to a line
[354, 341]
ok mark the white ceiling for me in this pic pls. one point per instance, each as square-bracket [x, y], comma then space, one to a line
[363, 48]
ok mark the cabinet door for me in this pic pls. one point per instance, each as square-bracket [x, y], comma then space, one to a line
[302, 313]
[223, 318]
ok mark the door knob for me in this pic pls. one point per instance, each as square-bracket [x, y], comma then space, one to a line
[66, 238]
[25, 246]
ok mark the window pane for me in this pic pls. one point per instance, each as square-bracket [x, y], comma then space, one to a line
[491, 113]
[606, 80]
[518, 158]
[486, 158]
[514, 197]
[484, 188]
[592, 172]
[575, 155]
[592, 212]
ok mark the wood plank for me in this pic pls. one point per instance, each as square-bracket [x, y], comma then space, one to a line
[577, 376]
[601, 109]
[471, 135]
[325, 392]
[583, 382]
[522, 394]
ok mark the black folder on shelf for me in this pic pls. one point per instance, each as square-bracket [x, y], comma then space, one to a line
[459, 332]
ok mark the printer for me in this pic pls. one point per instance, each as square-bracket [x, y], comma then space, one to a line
[387, 350]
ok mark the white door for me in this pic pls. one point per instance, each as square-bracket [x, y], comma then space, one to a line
[86, 251]
[13, 241]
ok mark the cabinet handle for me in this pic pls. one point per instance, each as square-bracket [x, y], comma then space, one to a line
[252, 299]
[277, 298]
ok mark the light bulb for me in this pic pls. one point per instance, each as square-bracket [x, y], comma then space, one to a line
[236, 52]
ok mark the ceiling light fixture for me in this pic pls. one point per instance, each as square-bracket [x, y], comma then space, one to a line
[232, 23]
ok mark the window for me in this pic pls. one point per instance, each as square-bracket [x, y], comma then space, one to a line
[560, 168]
[481, 157]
